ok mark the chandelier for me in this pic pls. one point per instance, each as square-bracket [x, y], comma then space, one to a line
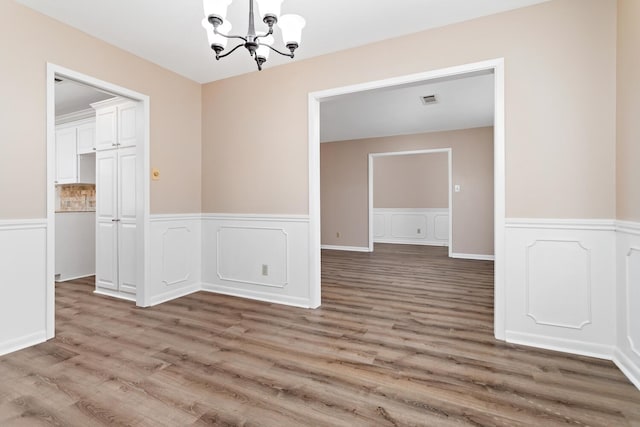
[258, 45]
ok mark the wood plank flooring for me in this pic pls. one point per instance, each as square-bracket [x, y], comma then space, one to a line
[404, 337]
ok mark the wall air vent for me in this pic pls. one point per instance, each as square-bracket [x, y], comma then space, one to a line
[428, 99]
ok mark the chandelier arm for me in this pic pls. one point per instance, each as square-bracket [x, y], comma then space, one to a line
[260, 36]
[230, 52]
[290, 55]
[229, 37]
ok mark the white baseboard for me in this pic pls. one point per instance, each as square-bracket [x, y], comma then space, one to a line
[345, 248]
[66, 279]
[255, 295]
[410, 242]
[559, 344]
[22, 342]
[477, 257]
[174, 294]
[630, 369]
[115, 294]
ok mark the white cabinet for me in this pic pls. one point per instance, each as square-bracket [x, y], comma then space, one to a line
[116, 221]
[66, 156]
[74, 141]
[116, 123]
[116, 198]
[86, 134]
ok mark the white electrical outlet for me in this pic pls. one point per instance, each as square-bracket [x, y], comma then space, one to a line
[265, 270]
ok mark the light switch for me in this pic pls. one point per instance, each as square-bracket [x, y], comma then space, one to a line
[456, 188]
[155, 174]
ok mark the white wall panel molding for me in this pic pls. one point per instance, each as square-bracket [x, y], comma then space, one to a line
[627, 356]
[175, 256]
[560, 292]
[258, 257]
[562, 224]
[23, 268]
[411, 226]
[265, 262]
[558, 283]
[632, 280]
[628, 227]
[256, 217]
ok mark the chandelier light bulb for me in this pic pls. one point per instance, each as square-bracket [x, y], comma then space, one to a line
[263, 51]
[217, 39]
[291, 27]
[216, 9]
[269, 9]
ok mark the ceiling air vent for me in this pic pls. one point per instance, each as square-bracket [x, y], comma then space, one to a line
[428, 99]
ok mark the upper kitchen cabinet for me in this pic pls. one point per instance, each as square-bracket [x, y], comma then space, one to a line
[74, 151]
[115, 123]
[66, 156]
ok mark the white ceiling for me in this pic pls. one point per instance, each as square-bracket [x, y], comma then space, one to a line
[462, 103]
[72, 97]
[169, 33]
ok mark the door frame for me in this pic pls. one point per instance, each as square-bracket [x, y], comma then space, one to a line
[373, 156]
[496, 66]
[142, 183]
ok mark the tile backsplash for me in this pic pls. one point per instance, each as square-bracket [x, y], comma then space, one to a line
[75, 198]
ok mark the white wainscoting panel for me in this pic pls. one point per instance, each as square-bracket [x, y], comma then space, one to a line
[559, 285]
[260, 257]
[240, 246]
[23, 283]
[175, 256]
[627, 355]
[411, 226]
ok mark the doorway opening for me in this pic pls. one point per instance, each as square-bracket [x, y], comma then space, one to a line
[427, 225]
[81, 165]
[496, 68]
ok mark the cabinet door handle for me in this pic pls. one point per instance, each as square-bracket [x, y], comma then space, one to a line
[115, 220]
[114, 144]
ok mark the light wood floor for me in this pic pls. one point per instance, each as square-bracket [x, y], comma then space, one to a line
[404, 337]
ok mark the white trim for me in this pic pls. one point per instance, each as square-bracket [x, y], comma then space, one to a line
[142, 182]
[628, 368]
[66, 279]
[373, 156]
[497, 66]
[477, 257]
[346, 248]
[561, 344]
[23, 224]
[628, 227]
[562, 224]
[23, 342]
[255, 217]
[82, 115]
[175, 294]
[415, 242]
[254, 295]
[174, 217]
[115, 294]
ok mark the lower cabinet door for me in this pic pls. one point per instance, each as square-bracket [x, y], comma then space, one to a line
[107, 255]
[127, 257]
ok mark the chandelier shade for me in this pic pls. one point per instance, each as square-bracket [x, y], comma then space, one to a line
[259, 45]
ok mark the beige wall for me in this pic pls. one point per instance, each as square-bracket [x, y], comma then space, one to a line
[628, 158]
[411, 181]
[28, 41]
[560, 140]
[344, 186]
